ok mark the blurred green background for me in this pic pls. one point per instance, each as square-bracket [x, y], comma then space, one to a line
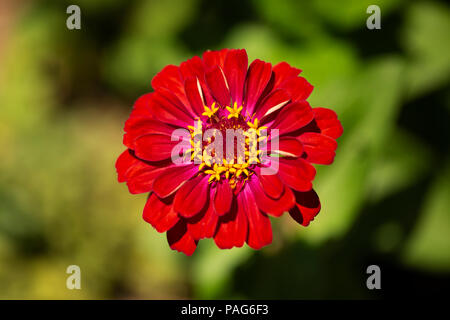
[64, 97]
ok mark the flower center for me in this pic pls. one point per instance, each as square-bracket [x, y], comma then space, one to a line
[227, 129]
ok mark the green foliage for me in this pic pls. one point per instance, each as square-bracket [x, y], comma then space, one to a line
[426, 44]
[66, 94]
[429, 247]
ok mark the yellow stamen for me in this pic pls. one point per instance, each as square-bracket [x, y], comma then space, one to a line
[235, 111]
[255, 125]
[235, 170]
[209, 112]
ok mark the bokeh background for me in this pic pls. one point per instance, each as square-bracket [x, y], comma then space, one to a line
[64, 97]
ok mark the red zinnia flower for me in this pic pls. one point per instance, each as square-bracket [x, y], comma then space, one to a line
[227, 200]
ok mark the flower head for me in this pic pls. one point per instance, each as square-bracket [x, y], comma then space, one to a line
[226, 191]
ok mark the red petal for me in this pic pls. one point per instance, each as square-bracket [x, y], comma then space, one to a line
[296, 173]
[235, 70]
[191, 197]
[272, 103]
[195, 95]
[138, 174]
[171, 179]
[288, 146]
[214, 58]
[298, 88]
[156, 147]
[169, 111]
[160, 213]
[293, 117]
[141, 107]
[283, 71]
[180, 239]
[142, 180]
[259, 227]
[232, 229]
[307, 207]
[194, 68]
[204, 224]
[218, 86]
[258, 77]
[137, 127]
[328, 122]
[170, 78]
[269, 205]
[124, 162]
[223, 197]
[271, 184]
[319, 148]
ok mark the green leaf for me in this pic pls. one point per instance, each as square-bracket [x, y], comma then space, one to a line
[425, 38]
[213, 268]
[404, 161]
[343, 186]
[429, 247]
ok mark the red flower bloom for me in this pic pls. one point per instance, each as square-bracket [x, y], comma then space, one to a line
[228, 198]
